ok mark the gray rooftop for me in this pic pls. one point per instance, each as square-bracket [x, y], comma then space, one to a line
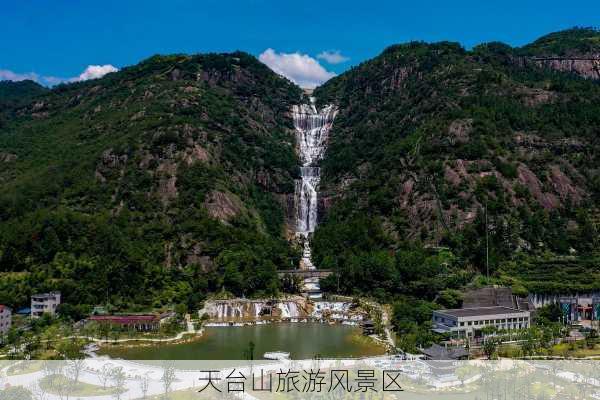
[479, 311]
[437, 352]
[45, 295]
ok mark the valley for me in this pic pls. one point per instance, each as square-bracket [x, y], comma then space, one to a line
[211, 189]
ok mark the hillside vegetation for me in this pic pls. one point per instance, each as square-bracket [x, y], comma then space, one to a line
[151, 186]
[429, 136]
[172, 179]
[17, 94]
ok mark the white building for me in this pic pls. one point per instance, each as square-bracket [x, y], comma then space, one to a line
[470, 321]
[44, 303]
[5, 319]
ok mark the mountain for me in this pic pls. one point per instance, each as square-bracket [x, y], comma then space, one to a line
[150, 186]
[570, 42]
[430, 136]
[14, 94]
[173, 179]
[575, 50]
[17, 94]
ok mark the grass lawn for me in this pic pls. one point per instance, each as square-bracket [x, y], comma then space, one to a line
[26, 367]
[579, 350]
[55, 384]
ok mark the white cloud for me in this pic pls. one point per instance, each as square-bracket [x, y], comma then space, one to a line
[332, 57]
[54, 80]
[91, 72]
[302, 69]
[8, 75]
[95, 72]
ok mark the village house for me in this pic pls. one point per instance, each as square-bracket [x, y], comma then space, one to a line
[44, 303]
[469, 322]
[486, 307]
[5, 319]
[437, 352]
[368, 327]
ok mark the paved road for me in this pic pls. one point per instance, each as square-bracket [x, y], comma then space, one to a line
[184, 379]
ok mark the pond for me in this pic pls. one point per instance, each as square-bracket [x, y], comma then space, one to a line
[301, 340]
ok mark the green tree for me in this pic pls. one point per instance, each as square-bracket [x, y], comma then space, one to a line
[15, 393]
[249, 352]
[490, 345]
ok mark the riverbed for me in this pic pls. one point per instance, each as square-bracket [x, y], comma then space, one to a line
[301, 340]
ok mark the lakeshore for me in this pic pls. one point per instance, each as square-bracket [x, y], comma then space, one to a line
[306, 340]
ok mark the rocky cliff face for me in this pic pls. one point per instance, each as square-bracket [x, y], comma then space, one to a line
[430, 136]
[575, 51]
[585, 65]
[185, 156]
[588, 66]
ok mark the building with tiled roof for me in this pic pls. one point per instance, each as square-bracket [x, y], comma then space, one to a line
[5, 319]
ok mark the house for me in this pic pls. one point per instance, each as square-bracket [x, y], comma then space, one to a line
[368, 327]
[469, 322]
[99, 310]
[137, 322]
[5, 319]
[167, 316]
[44, 303]
[437, 352]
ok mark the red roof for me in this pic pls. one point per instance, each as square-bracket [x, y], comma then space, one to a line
[124, 319]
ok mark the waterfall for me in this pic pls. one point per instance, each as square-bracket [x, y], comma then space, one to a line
[336, 310]
[312, 132]
[306, 190]
[289, 309]
[234, 309]
[257, 309]
[251, 310]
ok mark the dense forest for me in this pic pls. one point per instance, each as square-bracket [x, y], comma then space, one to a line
[171, 179]
[154, 185]
[433, 140]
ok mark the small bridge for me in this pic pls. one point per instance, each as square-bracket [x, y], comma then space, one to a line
[305, 273]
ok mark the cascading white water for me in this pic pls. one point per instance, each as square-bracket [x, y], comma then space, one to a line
[251, 310]
[306, 188]
[289, 309]
[234, 309]
[312, 132]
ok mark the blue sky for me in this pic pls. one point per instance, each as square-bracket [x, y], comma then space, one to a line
[54, 40]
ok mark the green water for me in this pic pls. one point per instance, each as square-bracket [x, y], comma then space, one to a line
[230, 343]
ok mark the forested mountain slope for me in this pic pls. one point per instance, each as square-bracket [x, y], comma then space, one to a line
[170, 179]
[17, 94]
[150, 186]
[430, 135]
[14, 94]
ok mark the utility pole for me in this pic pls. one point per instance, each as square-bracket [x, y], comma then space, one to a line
[487, 244]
